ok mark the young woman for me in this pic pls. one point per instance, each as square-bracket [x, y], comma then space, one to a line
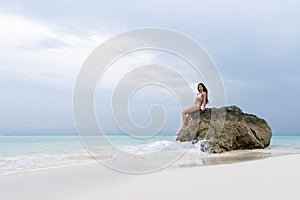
[200, 101]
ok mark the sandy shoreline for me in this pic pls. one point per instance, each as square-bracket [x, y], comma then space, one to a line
[270, 178]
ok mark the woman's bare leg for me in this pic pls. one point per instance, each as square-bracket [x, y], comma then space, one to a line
[183, 119]
[188, 110]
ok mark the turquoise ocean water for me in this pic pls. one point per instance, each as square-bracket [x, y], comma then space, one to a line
[28, 153]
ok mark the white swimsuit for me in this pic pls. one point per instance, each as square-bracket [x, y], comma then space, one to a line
[199, 96]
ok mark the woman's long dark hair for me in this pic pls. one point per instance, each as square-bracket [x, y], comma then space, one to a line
[204, 89]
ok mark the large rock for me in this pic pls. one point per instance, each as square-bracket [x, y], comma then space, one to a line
[225, 129]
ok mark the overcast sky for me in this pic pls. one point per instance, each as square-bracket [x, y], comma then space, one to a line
[255, 45]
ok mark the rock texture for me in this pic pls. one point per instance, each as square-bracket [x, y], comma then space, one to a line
[225, 129]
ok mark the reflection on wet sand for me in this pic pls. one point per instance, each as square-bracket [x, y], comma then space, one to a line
[242, 156]
[233, 157]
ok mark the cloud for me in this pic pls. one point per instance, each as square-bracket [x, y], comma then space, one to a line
[133, 60]
[20, 32]
[254, 43]
[33, 51]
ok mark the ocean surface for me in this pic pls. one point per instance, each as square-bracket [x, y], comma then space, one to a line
[30, 153]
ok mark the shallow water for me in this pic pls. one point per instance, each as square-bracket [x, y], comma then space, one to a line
[27, 153]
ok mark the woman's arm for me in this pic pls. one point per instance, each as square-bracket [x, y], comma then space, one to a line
[204, 101]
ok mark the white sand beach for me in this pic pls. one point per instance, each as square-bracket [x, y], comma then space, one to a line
[270, 178]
